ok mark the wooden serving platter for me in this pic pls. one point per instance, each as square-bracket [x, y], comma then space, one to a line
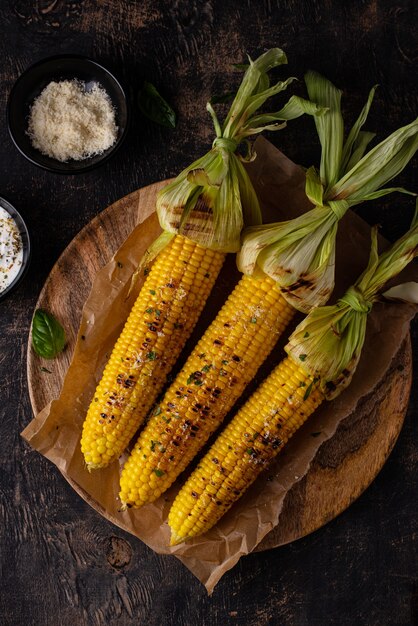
[343, 467]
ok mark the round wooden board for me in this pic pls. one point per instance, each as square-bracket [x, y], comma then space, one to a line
[344, 465]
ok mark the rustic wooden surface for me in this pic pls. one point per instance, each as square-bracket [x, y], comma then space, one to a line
[61, 563]
[361, 445]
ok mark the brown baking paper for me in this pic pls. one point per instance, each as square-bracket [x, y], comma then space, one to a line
[55, 431]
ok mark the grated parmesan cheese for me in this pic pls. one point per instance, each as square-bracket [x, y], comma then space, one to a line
[67, 122]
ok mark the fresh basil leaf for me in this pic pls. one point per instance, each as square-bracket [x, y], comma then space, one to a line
[222, 98]
[153, 106]
[48, 336]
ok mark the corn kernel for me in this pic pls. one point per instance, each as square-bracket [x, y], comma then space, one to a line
[157, 328]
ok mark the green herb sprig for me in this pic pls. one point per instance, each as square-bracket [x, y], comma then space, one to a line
[155, 107]
[48, 336]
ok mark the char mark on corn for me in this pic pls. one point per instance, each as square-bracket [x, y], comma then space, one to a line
[244, 449]
[223, 362]
[161, 320]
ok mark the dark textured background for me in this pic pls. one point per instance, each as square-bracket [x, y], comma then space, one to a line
[61, 563]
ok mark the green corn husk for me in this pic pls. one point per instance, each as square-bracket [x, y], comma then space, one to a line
[300, 254]
[213, 199]
[329, 341]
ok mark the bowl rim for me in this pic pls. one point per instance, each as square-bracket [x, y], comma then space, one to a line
[27, 245]
[88, 166]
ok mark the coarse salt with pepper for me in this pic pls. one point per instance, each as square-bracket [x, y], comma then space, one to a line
[11, 249]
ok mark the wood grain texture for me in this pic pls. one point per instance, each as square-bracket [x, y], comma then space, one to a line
[57, 556]
[346, 464]
[70, 280]
[326, 491]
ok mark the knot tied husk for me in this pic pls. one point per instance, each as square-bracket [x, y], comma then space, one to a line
[225, 143]
[213, 199]
[300, 254]
[355, 299]
[328, 343]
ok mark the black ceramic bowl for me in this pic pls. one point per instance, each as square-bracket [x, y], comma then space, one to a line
[4, 204]
[30, 84]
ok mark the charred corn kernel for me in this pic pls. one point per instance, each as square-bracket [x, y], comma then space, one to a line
[157, 328]
[225, 359]
[244, 449]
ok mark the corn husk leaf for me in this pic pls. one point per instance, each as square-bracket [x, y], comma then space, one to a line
[293, 109]
[212, 199]
[300, 254]
[406, 292]
[204, 202]
[313, 187]
[328, 342]
[353, 142]
[329, 127]
[359, 148]
[377, 167]
[150, 254]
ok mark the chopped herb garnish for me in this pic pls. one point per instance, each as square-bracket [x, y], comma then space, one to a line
[225, 362]
[222, 372]
[150, 310]
[302, 384]
[303, 357]
[151, 356]
[153, 444]
[157, 312]
[202, 355]
[158, 472]
[157, 410]
[198, 382]
[250, 451]
[206, 368]
[152, 292]
[253, 320]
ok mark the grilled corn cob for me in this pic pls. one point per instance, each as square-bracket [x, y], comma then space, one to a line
[160, 322]
[300, 255]
[323, 353]
[209, 202]
[243, 450]
[223, 362]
